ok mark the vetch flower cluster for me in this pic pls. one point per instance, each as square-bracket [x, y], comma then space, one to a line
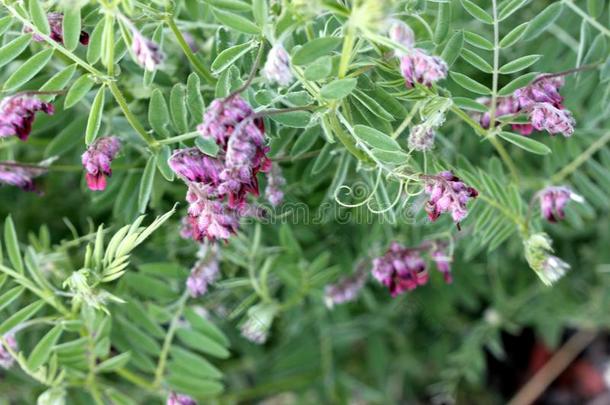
[275, 182]
[179, 399]
[17, 114]
[421, 138]
[402, 34]
[277, 67]
[148, 54]
[204, 273]
[404, 269]
[56, 22]
[20, 175]
[553, 201]
[6, 359]
[346, 289]
[97, 159]
[447, 193]
[548, 267]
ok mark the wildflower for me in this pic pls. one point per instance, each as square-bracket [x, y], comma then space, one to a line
[56, 21]
[179, 399]
[538, 251]
[400, 269]
[148, 54]
[542, 90]
[192, 165]
[419, 67]
[96, 161]
[203, 273]
[443, 262]
[275, 181]
[6, 359]
[421, 138]
[346, 289]
[20, 175]
[447, 193]
[545, 116]
[553, 201]
[402, 34]
[209, 218]
[277, 66]
[17, 115]
[259, 320]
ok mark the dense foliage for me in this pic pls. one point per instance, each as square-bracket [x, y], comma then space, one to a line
[235, 200]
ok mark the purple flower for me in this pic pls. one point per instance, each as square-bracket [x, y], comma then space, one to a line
[402, 34]
[6, 359]
[20, 175]
[421, 138]
[277, 67]
[447, 193]
[148, 54]
[542, 90]
[205, 272]
[211, 219]
[180, 399]
[400, 269]
[17, 115]
[192, 165]
[275, 181]
[553, 201]
[443, 262]
[96, 161]
[545, 116]
[346, 289]
[56, 21]
[221, 118]
[419, 67]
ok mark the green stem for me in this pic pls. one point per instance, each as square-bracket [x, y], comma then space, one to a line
[133, 121]
[496, 63]
[346, 51]
[580, 159]
[135, 379]
[179, 138]
[346, 139]
[199, 67]
[587, 17]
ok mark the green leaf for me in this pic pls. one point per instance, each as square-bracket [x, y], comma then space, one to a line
[194, 100]
[230, 55]
[597, 50]
[12, 244]
[201, 324]
[514, 35]
[519, 64]
[146, 183]
[260, 12]
[197, 365]
[234, 5]
[323, 159]
[58, 81]
[595, 7]
[200, 342]
[509, 7]
[78, 90]
[236, 21]
[162, 164]
[478, 41]
[375, 138]
[294, 119]
[28, 69]
[67, 138]
[20, 316]
[477, 12]
[543, 20]
[338, 89]
[526, 143]
[11, 295]
[94, 48]
[158, 114]
[476, 61]
[319, 69]
[470, 84]
[207, 146]
[113, 363]
[372, 105]
[71, 26]
[95, 116]
[194, 386]
[5, 23]
[39, 17]
[453, 48]
[315, 49]
[177, 107]
[469, 104]
[305, 141]
[14, 48]
[395, 157]
[443, 22]
[517, 83]
[42, 350]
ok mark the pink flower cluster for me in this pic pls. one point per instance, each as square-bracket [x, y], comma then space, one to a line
[17, 115]
[6, 359]
[96, 161]
[275, 182]
[218, 186]
[542, 103]
[404, 269]
[179, 399]
[20, 175]
[346, 289]
[205, 272]
[56, 21]
[419, 67]
[447, 193]
[147, 53]
[277, 66]
[553, 201]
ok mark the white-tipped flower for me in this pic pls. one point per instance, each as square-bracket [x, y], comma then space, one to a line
[148, 54]
[277, 66]
[257, 325]
[538, 251]
[421, 138]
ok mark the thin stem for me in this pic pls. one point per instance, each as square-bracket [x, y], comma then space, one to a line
[199, 67]
[496, 63]
[346, 51]
[273, 111]
[587, 17]
[135, 123]
[580, 159]
[248, 82]
[134, 378]
[567, 72]
[180, 138]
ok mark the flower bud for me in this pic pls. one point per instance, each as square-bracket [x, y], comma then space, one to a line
[402, 34]
[421, 138]
[259, 320]
[553, 201]
[97, 159]
[538, 251]
[419, 67]
[277, 67]
[148, 54]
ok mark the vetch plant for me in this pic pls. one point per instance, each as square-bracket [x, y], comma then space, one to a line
[415, 130]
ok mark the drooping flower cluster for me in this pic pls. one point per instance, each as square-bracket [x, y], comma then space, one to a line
[17, 115]
[96, 161]
[179, 399]
[275, 182]
[20, 175]
[553, 201]
[258, 322]
[346, 289]
[421, 138]
[447, 193]
[277, 67]
[205, 272]
[6, 359]
[56, 21]
[148, 54]
[541, 102]
[538, 251]
[218, 186]
[404, 269]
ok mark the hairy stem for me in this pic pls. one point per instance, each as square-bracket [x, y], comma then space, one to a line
[496, 63]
